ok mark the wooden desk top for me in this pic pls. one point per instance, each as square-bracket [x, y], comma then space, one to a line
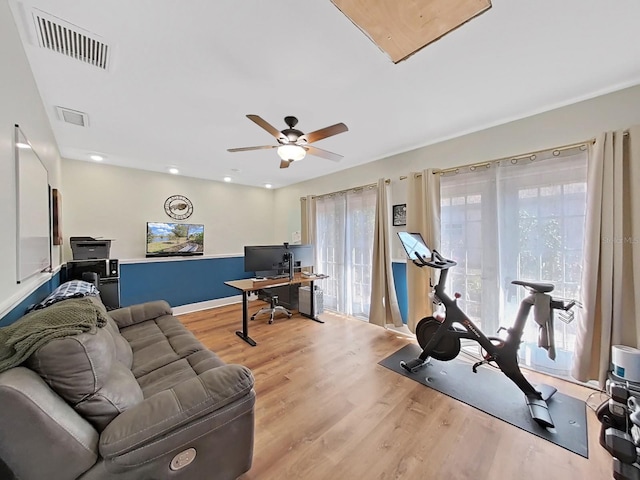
[247, 284]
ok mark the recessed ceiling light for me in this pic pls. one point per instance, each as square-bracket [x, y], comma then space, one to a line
[227, 179]
[23, 145]
[268, 185]
[97, 158]
[174, 170]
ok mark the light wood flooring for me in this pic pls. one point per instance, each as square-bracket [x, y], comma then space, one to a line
[326, 410]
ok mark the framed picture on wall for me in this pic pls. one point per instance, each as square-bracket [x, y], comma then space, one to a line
[56, 210]
[399, 215]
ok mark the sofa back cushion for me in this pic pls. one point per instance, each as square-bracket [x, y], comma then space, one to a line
[84, 370]
[123, 352]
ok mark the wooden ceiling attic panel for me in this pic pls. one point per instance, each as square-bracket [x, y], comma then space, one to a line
[401, 28]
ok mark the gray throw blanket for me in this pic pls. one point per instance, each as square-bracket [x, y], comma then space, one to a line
[69, 317]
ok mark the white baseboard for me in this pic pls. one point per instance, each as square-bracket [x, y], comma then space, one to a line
[196, 307]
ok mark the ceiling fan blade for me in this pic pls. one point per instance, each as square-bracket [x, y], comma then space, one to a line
[325, 132]
[318, 152]
[266, 125]
[285, 163]
[244, 149]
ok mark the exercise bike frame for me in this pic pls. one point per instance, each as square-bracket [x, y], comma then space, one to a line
[504, 353]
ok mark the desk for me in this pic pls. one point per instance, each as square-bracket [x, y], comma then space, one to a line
[249, 285]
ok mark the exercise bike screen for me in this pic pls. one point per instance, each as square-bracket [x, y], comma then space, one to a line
[414, 243]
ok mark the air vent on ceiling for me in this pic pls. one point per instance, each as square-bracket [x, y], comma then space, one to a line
[73, 116]
[70, 40]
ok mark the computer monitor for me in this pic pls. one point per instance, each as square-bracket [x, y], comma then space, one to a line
[268, 260]
[261, 258]
[414, 243]
[303, 255]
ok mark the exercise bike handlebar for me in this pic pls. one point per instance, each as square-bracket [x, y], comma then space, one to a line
[434, 261]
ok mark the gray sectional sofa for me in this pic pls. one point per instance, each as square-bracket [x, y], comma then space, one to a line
[140, 398]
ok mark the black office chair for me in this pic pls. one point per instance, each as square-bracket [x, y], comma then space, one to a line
[272, 308]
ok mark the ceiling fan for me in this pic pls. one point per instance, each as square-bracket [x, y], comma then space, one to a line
[293, 144]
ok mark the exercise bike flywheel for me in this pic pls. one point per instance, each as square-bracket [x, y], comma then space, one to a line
[447, 348]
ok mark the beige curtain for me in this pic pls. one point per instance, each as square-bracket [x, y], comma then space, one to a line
[384, 302]
[423, 216]
[611, 273]
[308, 219]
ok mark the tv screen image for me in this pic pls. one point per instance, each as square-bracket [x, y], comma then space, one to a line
[169, 239]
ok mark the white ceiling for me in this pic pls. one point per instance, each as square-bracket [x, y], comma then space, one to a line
[183, 75]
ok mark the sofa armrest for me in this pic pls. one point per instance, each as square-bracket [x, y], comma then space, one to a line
[153, 421]
[140, 313]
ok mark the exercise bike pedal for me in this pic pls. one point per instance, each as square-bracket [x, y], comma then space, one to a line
[414, 365]
[482, 362]
[477, 364]
[539, 411]
[546, 391]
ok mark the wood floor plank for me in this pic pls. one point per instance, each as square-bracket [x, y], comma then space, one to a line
[325, 409]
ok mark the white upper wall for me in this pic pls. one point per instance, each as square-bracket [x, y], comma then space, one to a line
[20, 104]
[101, 200]
[572, 124]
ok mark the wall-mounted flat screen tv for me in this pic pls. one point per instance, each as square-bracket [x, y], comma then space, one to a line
[174, 239]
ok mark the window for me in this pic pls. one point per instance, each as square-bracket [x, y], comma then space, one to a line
[345, 225]
[523, 220]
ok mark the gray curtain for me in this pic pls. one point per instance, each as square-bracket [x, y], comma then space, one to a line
[611, 273]
[308, 219]
[384, 302]
[423, 216]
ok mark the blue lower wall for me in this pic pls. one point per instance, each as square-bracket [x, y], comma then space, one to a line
[180, 282]
[36, 296]
[400, 280]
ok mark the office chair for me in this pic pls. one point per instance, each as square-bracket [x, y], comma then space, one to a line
[272, 308]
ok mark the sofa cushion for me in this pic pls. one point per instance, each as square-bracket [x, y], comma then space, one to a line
[172, 374]
[159, 342]
[123, 352]
[141, 312]
[123, 349]
[84, 371]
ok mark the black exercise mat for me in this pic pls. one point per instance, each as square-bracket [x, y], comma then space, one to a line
[492, 392]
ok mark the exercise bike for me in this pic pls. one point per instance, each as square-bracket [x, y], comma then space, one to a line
[439, 336]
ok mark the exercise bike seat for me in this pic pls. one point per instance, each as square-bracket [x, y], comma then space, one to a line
[537, 287]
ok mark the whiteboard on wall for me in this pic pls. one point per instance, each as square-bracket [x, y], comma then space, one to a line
[33, 232]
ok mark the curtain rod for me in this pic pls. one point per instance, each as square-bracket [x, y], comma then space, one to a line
[352, 189]
[513, 157]
[516, 157]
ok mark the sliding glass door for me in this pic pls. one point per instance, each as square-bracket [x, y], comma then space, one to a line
[520, 220]
[344, 225]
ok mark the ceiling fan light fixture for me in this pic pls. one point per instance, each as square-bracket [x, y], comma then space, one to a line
[291, 152]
